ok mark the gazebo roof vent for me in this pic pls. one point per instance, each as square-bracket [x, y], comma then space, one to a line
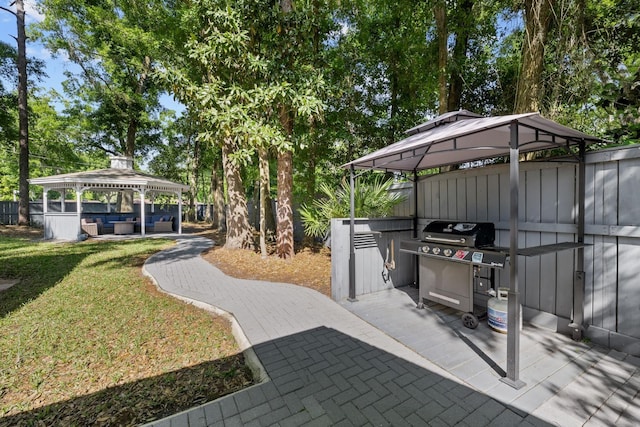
[121, 162]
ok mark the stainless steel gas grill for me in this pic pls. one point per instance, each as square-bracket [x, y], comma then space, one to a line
[456, 260]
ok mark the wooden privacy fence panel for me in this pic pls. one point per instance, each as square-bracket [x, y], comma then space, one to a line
[546, 200]
[8, 213]
[612, 263]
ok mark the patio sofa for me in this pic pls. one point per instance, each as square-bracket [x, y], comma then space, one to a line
[103, 223]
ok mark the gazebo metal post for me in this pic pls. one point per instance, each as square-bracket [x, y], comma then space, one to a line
[513, 304]
[63, 193]
[415, 227]
[352, 227]
[578, 281]
[415, 204]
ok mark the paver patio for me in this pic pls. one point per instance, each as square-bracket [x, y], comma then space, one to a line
[402, 366]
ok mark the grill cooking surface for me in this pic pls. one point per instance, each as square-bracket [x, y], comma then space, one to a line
[473, 235]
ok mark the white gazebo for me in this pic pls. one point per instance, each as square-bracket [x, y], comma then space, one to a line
[120, 176]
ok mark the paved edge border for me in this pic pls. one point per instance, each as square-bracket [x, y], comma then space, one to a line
[251, 358]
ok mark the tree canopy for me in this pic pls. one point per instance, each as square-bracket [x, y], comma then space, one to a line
[280, 93]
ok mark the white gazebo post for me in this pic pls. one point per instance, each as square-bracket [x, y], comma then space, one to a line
[179, 193]
[63, 193]
[142, 214]
[153, 205]
[108, 196]
[79, 191]
[45, 200]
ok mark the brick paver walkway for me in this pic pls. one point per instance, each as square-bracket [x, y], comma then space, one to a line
[325, 365]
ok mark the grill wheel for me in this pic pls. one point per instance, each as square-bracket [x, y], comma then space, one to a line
[470, 320]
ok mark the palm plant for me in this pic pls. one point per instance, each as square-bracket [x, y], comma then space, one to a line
[372, 200]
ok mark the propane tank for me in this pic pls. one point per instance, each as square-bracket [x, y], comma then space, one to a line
[497, 311]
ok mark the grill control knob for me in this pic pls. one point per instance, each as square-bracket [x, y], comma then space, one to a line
[425, 249]
[436, 251]
[448, 252]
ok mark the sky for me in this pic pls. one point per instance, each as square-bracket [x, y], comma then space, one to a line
[55, 66]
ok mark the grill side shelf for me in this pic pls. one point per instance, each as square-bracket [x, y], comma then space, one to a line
[544, 249]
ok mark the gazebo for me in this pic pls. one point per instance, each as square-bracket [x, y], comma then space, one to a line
[461, 137]
[120, 176]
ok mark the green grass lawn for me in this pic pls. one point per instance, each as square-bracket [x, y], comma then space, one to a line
[85, 339]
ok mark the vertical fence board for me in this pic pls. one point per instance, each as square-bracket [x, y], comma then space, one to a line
[504, 196]
[610, 249]
[532, 198]
[452, 199]
[435, 201]
[472, 202]
[481, 199]
[566, 190]
[629, 192]
[548, 274]
[531, 279]
[461, 185]
[565, 268]
[589, 266]
[493, 198]
[628, 300]
[443, 191]
[610, 283]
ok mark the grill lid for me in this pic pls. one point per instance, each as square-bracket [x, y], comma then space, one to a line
[476, 234]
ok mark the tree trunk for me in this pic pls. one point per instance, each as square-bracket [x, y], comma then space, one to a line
[284, 223]
[394, 86]
[219, 221]
[125, 201]
[263, 155]
[464, 17]
[239, 234]
[537, 19]
[193, 181]
[440, 12]
[23, 118]
[284, 232]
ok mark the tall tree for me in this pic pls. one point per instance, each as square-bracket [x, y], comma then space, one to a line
[23, 115]
[442, 36]
[284, 214]
[284, 35]
[114, 44]
[223, 81]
